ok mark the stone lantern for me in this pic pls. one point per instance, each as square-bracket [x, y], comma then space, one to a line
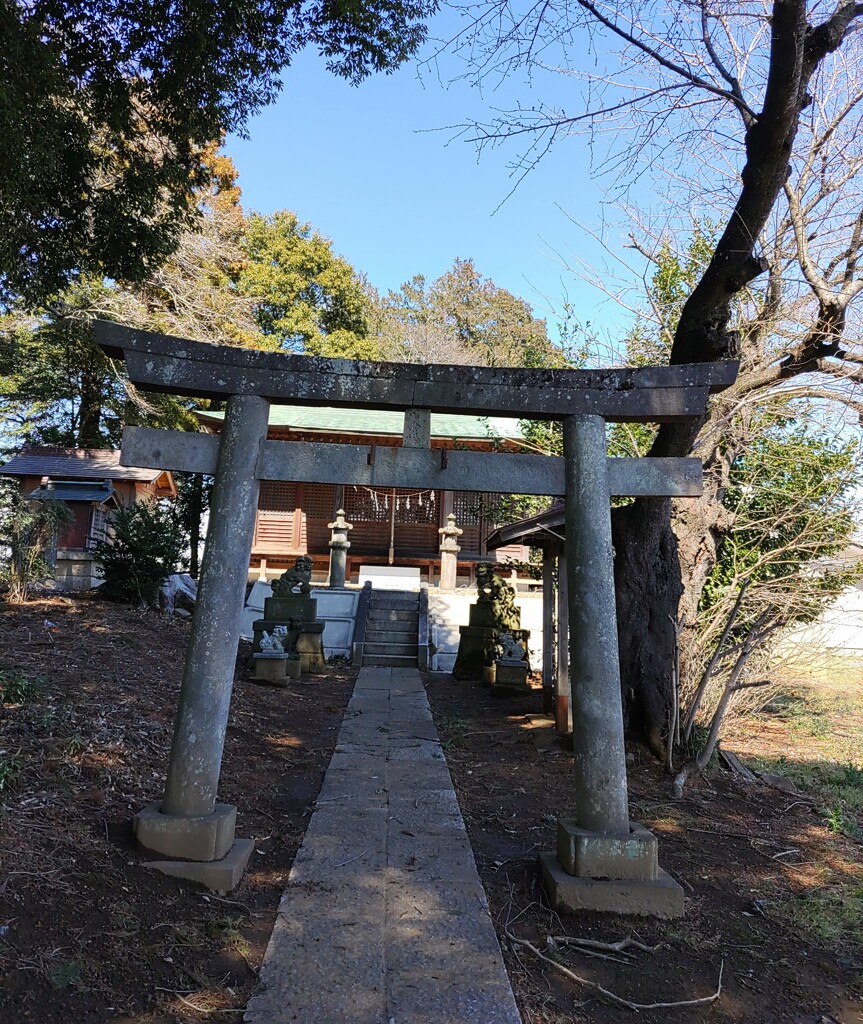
[449, 550]
[339, 545]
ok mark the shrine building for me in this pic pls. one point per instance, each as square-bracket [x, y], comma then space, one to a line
[391, 526]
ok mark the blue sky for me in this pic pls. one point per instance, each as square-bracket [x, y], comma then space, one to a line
[367, 166]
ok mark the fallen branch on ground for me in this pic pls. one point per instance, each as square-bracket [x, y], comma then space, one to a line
[606, 947]
[604, 992]
[736, 765]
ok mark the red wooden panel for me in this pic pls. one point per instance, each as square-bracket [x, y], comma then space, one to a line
[318, 536]
[76, 533]
[469, 540]
[416, 539]
[274, 528]
[370, 538]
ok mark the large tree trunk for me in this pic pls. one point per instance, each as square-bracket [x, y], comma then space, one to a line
[90, 415]
[650, 576]
[648, 583]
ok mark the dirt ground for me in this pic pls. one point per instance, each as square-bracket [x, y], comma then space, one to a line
[773, 876]
[86, 934]
[774, 891]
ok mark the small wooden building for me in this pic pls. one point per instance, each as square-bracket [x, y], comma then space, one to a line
[91, 482]
[391, 527]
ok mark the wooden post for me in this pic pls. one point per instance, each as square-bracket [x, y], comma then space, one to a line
[548, 629]
[563, 711]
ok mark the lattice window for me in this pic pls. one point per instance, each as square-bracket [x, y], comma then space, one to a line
[416, 507]
[319, 501]
[468, 508]
[98, 527]
[277, 496]
[365, 505]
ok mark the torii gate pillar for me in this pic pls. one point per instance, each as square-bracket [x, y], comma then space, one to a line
[188, 825]
[603, 861]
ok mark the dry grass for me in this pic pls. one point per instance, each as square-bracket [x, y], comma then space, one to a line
[811, 733]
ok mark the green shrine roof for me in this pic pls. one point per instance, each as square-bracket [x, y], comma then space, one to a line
[378, 421]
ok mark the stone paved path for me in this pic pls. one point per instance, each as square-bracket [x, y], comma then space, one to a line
[384, 920]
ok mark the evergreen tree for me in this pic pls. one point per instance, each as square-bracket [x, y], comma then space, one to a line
[306, 298]
[463, 317]
[144, 547]
[106, 111]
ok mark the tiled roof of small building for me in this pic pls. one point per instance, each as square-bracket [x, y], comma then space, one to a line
[75, 464]
[75, 490]
[379, 421]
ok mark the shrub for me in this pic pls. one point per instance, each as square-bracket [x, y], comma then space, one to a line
[28, 536]
[144, 548]
[16, 688]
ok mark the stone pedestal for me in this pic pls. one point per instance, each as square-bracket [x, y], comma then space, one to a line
[200, 837]
[293, 668]
[606, 871]
[310, 647]
[659, 897]
[478, 642]
[476, 650]
[280, 611]
[511, 677]
[270, 668]
[202, 848]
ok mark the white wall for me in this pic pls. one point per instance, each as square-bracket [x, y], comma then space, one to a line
[840, 625]
[449, 609]
[337, 609]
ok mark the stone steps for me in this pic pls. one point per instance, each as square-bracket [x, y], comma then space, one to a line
[392, 630]
[394, 599]
[389, 661]
[408, 649]
[385, 615]
[392, 636]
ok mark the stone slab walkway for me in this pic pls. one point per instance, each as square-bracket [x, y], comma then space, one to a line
[384, 920]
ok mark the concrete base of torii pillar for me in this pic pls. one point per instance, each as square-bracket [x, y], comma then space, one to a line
[603, 861]
[605, 872]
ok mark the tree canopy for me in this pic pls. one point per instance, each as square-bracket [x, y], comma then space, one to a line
[106, 109]
[463, 317]
[306, 298]
[750, 115]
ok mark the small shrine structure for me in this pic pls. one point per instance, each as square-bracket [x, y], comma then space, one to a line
[91, 482]
[603, 861]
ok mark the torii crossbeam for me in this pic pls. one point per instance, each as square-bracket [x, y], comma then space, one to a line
[601, 842]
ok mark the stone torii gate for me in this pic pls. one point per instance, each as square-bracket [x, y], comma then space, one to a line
[603, 860]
